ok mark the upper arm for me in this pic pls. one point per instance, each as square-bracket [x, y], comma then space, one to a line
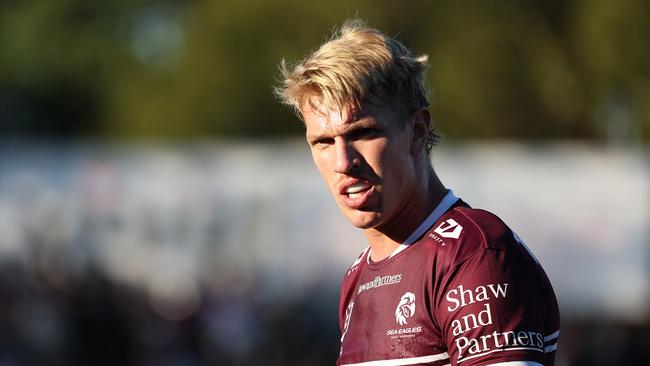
[495, 308]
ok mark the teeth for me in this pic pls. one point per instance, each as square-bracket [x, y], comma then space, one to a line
[356, 188]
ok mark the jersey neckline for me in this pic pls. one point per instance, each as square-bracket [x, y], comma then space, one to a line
[445, 204]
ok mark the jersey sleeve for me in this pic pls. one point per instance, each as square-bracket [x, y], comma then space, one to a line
[496, 306]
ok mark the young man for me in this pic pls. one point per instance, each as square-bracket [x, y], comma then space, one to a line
[440, 282]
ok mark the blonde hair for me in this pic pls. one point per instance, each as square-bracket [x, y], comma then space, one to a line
[355, 62]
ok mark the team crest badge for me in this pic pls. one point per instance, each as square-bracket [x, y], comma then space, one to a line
[405, 308]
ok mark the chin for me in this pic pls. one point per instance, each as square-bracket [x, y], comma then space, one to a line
[364, 220]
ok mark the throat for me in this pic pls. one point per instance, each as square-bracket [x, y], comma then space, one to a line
[384, 239]
[381, 246]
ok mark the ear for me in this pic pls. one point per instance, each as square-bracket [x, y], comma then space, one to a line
[419, 121]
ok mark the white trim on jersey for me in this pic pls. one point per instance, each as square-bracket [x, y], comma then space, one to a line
[358, 260]
[552, 340]
[552, 336]
[516, 363]
[403, 361]
[521, 242]
[551, 348]
[499, 350]
[442, 207]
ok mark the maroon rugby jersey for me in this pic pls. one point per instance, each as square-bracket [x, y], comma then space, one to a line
[462, 290]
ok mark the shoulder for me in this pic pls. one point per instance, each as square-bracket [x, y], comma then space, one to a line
[463, 232]
[488, 287]
[493, 232]
[357, 263]
[348, 285]
[351, 276]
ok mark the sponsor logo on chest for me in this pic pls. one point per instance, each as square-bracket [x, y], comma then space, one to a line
[379, 282]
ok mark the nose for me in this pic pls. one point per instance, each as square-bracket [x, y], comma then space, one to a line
[346, 156]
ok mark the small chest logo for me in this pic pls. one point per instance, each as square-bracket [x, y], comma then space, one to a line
[449, 229]
[405, 308]
[346, 323]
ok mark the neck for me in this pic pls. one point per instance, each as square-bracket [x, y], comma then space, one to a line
[385, 238]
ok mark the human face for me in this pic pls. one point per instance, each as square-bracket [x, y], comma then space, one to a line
[366, 158]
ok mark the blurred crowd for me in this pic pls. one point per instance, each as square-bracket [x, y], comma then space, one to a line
[94, 321]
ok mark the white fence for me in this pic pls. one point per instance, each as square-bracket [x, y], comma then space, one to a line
[226, 215]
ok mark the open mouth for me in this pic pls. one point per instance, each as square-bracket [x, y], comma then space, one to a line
[356, 190]
[356, 194]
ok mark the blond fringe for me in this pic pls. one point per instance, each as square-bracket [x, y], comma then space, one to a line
[356, 61]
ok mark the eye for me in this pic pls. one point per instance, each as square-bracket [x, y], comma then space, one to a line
[323, 141]
[364, 133]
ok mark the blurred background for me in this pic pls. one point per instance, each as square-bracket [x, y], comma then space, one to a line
[159, 207]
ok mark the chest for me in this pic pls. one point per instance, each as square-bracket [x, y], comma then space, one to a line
[389, 314]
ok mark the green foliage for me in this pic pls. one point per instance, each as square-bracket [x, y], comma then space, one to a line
[187, 69]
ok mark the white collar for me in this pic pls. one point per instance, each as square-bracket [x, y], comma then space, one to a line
[442, 207]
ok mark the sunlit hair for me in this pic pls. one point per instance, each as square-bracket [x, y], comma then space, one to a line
[357, 61]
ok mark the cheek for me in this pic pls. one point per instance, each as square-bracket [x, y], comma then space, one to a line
[378, 157]
[397, 165]
[322, 162]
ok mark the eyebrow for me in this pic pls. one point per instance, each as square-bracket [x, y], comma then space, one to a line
[351, 127]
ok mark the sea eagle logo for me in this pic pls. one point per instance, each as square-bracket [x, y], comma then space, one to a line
[405, 308]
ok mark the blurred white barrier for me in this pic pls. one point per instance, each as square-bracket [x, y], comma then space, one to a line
[229, 216]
